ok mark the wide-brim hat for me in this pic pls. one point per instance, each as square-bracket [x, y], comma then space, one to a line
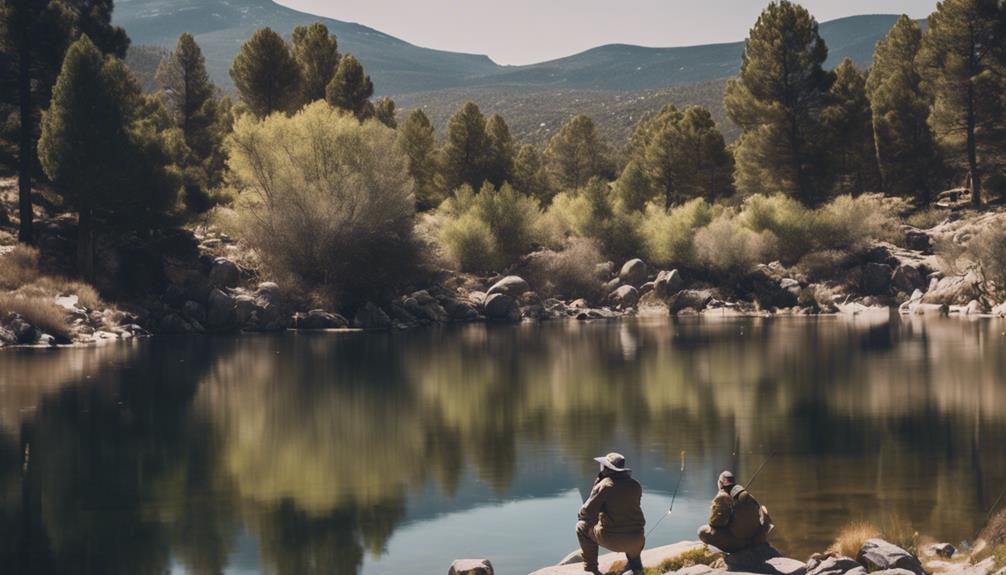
[613, 461]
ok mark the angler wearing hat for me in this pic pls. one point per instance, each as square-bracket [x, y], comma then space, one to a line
[736, 520]
[612, 517]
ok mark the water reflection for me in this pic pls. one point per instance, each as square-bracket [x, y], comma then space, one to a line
[342, 453]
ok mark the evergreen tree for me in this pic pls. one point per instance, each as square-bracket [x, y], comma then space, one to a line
[385, 113]
[961, 59]
[500, 157]
[577, 153]
[351, 88]
[35, 36]
[317, 56]
[776, 102]
[416, 139]
[194, 108]
[633, 187]
[102, 148]
[906, 153]
[466, 152]
[266, 75]
[848, 123]
[530, 175]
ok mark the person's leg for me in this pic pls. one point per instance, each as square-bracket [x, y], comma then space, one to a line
[588, 545]
[721, 539]
[629, 543]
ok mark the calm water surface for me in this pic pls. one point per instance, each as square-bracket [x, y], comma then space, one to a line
[396, 453]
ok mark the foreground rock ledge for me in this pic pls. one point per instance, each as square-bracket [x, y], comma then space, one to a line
[651, 558]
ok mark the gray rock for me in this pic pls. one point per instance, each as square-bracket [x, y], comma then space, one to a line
[371, 317]
[461, 311]
[832, 566]
[320, 319]
[224, 273]
[668, 283]
[752, 559]
[876, 278]
[7, 337]
[944, 550]
[512, 286]
[194, 310]
[572, 558]
[604, 271]
[697, 300]
[953, 290]
[908, 278]
[624, 297]
[785, 566]
[646, 288]
[633, 272]
[471, 567]
[422, 305]
[245, 308]
[917, 240]
[879, 555]
[174, 324]
[221, 314]
[611, 285]
[269, 292]
[24, 332]
[501, 307]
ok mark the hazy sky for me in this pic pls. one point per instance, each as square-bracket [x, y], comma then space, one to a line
[525, 31]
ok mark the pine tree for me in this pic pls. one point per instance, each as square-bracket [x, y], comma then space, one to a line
[101, 149]
[266, 75]
[466, 151]
[416, 140]
[351, 88]
[776, 101]
[35, 36]
[500, 157]
[962, 63]
[848, 124]
[906, 152]
[633, 187]
[385, 113]
[577, 153]
[317, 56]
[530, 175]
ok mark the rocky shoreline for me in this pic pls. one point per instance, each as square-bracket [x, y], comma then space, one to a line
[212, 290]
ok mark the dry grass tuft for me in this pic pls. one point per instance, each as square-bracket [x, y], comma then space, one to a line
[851, 538]
[41, 312]
[700, 556]
[18, 267]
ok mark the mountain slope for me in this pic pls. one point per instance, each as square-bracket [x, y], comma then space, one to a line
[397, 67]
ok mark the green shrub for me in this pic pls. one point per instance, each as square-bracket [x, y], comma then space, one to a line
[570, 272]
[593, 212]
[512, 217]
[851, 223]
[726, 246]
[668, 234]
[791, 223]
[469, 243]
[18, 267]
[326, 199]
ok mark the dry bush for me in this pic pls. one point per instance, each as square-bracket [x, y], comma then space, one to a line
[727, 247]
[926, 219]
[851, 538]
[568, 273]
[700, 556]
[988, 248]
[825, 264]
[994, 533]
[18, 267]
[40, 312]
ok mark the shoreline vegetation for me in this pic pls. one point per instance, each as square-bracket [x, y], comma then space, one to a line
[302, 201]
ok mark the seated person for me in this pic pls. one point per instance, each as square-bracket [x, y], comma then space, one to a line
[736, 520]
[612, 517]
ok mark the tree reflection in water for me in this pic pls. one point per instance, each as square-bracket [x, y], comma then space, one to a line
[166, 453]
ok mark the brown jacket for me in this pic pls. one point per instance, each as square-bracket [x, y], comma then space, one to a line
[739, 512]
[614, 502]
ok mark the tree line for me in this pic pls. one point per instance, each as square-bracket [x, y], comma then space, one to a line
[930, 111]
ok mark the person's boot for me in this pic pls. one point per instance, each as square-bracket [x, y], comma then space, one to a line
[592, 570]
[634, 567]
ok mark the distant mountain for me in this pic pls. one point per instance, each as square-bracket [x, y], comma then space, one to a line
[397, 67]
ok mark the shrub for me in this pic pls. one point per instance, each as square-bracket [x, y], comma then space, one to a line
[568, 215]
[326, 199]
[852, 223]
[988, 248]
[512, 217]
[824, 264]
[727, 247]
[667, 234]
[926, 219]
[699, 556]
[469, 243]
[40, 311]
[786, 218]
[18, 267]
[569, 272]
[851, 538]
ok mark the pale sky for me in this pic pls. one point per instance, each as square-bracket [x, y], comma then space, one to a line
[527, 31]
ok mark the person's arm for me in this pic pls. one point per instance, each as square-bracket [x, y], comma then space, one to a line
[721, 510]
[592, 506]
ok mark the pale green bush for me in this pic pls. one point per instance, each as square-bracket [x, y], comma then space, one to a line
[726, 246]
[469, 243]
[668, 234]
[593, 212]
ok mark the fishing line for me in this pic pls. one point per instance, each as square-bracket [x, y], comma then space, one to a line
[673, 497]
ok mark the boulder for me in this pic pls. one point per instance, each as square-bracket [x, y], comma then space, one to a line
[573, 558]
[224, 273]
[501, 307]
[194, 310]
[7, 337]
[696, 300]
[174, 324]
[320, 319]
[784, 566]
[646, 288]
[633, 272]
[424, 307]
[908, 278]
[944, 550]
[269, 293]
[667, 284]
[651, 557]
[604, 271]
[24, 332]
[832, 566]
[876, 278]
[624, 297]
[917, 240]
[752, 559]
[767, 289]
[879, 555]
[953, 290]
[471, 567]
[246, 308]
[370, 316]
[221, 313]
[461, 311]
[512, 286]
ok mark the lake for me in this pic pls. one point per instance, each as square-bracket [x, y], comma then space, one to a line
[346, 453]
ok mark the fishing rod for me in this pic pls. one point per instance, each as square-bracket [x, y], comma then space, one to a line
[673, 497]
[991, 511]
[760, 467]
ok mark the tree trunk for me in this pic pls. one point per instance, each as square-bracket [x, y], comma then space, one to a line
[976, 179]
[25, 161]
[85, 244]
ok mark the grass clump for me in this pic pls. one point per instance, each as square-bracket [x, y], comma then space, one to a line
[851, 538]
[926, 219]
[18, 267]
[40, 311]
[698, 556]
